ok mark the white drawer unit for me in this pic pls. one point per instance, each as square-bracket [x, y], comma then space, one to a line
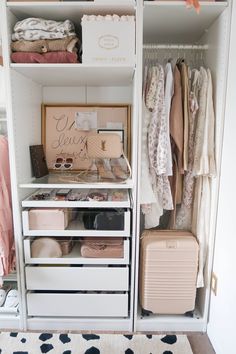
[77, 278]
[77, 305]
[74, 257]
[76, 228]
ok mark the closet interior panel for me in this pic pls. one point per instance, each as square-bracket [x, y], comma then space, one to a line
[26, 98]
[216, 58]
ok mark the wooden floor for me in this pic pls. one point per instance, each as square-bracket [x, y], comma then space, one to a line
[200, 343]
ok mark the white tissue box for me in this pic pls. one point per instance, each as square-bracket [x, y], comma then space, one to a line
[108, 39]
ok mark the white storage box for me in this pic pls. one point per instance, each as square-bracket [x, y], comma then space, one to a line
[108, 39]
[49, 219]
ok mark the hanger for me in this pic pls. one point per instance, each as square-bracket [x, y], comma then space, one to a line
[202, 62]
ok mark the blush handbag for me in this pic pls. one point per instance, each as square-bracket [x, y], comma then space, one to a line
[105, 146]
[108, 146]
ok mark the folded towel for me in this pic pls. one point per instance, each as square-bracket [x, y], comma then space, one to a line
[46, 45]
[50, 57]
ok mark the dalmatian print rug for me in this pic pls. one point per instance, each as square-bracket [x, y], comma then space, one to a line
[71, 343]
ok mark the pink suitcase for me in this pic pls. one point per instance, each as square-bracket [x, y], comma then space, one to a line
[168, 272]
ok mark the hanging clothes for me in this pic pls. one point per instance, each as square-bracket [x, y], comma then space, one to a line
[184, 212]
[204, 167]
[185, 102]
[169, 91]
[156, 142]
[6, 227]
[158, 136]
[149, 202]
[177, 141]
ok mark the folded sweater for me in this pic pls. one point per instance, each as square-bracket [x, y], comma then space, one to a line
[34, 23]
[35, 35]
[32, 29]
[45, 45]
[50, 57]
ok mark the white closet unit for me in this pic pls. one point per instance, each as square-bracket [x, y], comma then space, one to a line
[73, 292]
[106, 297]
[174, 31]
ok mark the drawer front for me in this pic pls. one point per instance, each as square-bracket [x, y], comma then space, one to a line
[76, 228]
[77, 278]
[78, 305]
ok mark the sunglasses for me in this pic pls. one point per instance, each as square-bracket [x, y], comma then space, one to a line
[66, 163]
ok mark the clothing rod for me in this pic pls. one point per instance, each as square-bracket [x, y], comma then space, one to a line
[175, 46]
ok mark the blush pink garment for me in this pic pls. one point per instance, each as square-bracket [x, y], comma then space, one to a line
[50, 57]
[7, 254]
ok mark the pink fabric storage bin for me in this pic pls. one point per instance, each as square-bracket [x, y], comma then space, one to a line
[48, 219]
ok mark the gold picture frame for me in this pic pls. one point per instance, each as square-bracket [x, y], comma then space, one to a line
[65, 131]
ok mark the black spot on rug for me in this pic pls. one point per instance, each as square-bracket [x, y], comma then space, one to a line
[149, 336]
[128, 336]
[13, 334]
[20, 353]
[167, 352]
[45, 336]
[67, 352]
[64, 338]
[45, 348]
[92, 350]
[169, 339]
[90, 336]
[23, 340]
[129, 351]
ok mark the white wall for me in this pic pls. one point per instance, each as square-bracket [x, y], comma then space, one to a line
[221, 328]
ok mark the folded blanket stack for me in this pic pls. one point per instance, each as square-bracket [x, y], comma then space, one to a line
[36, 40]
[102, 247]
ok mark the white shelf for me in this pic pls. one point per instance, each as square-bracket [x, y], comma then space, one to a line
[8, 312]
[74, 257]
[55, 181]
[184, 25]
[170, 323]
[80, 324]
[76, 74]
[30, 203]
[72, 10]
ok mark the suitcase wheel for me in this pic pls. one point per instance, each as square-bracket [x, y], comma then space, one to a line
[145, 312]
[189, 313]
